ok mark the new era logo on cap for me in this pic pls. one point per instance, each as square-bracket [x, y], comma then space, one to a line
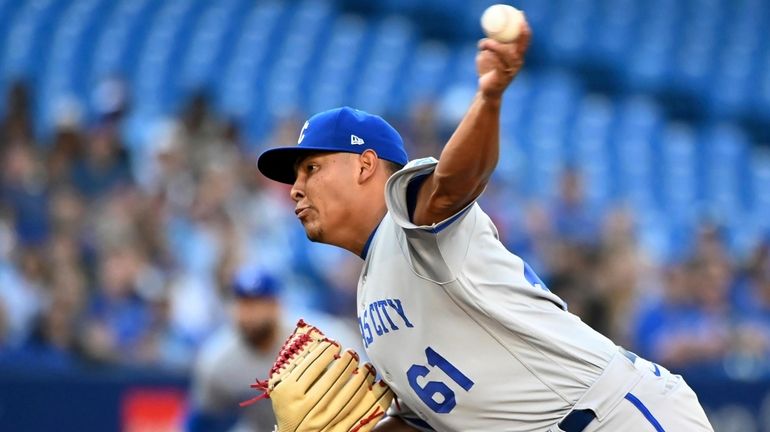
[354, 140]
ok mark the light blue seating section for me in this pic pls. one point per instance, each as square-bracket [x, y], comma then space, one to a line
[597, 96]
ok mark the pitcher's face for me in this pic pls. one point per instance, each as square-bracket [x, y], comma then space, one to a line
[322, 191]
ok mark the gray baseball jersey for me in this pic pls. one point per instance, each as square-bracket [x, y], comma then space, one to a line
[225, 368]
[467, 335]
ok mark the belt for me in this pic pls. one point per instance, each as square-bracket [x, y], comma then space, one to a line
[578, 420]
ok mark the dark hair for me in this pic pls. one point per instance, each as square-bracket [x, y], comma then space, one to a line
[393, 167]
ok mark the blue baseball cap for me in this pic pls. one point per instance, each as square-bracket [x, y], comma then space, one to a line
[338, 130]
[253, 282]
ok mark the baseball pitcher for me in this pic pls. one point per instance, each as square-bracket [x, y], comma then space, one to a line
[461, 330]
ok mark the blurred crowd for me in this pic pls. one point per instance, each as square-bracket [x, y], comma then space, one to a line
[117, 254]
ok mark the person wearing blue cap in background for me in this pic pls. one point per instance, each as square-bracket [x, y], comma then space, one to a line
[230, 358]
[245, 349]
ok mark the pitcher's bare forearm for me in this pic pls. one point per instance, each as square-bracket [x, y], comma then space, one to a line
[466, 163]
[470, 156]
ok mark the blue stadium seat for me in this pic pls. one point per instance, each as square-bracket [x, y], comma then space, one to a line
[549, 116]
[695, 57]
[569, 33]
[639, 117]
[654, 231]
[237, 88]
[516, 102]
[724, 167]
[678, 188]
[155, 81]
[634, 172]
[382, 72]
[425, 75]
[65, 74]
[8, 11]
[730, 87]
[761, 88]
[588, 146]
[339, 63]
[110, 50]
[648, 66]
[291, 64]
[28, 38]
[613, 31]
[207, 42]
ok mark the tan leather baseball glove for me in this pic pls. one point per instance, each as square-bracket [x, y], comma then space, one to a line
[316, 388]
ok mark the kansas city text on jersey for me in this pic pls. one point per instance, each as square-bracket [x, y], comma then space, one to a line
[381, 317]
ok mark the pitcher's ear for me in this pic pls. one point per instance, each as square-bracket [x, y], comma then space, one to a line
[368, 163]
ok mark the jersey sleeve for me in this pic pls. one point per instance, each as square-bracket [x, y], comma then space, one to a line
[436, 251]
[397, 191]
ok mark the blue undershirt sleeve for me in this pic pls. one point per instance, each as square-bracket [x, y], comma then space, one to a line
[411, 194]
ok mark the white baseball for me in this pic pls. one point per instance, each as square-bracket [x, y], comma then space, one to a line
[502, 22]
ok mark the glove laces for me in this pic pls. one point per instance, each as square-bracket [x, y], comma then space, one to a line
[287, 353]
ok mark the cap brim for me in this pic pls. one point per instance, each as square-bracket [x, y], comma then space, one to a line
[278, 163]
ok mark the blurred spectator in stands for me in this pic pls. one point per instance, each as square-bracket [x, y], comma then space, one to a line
[528, 232]
[22, 291]
[130, 309]
[16, 305]
[67, 217]
[750, 356]
[620, 272]
[117, 318]
[691, 327]
[23, 191]
[110, 99]
[168, 176]
[713, 321]
[198, 239]
[231, 359]
[572, 254]
[53, 342]
[232, 136]
[710, 245]
[660, 323]
[4, 331]
[342, 278]
[576, 285]
[164, 346]
[113, 222]
[16, 128]
[104, 165]
[203, 133]
[7, 272]
[65, 150]
[759, 260]
[573, 220]
[421, 132]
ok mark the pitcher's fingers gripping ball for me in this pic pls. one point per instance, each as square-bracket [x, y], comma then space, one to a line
[502, 22]
[501, 56]
[315, 387]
